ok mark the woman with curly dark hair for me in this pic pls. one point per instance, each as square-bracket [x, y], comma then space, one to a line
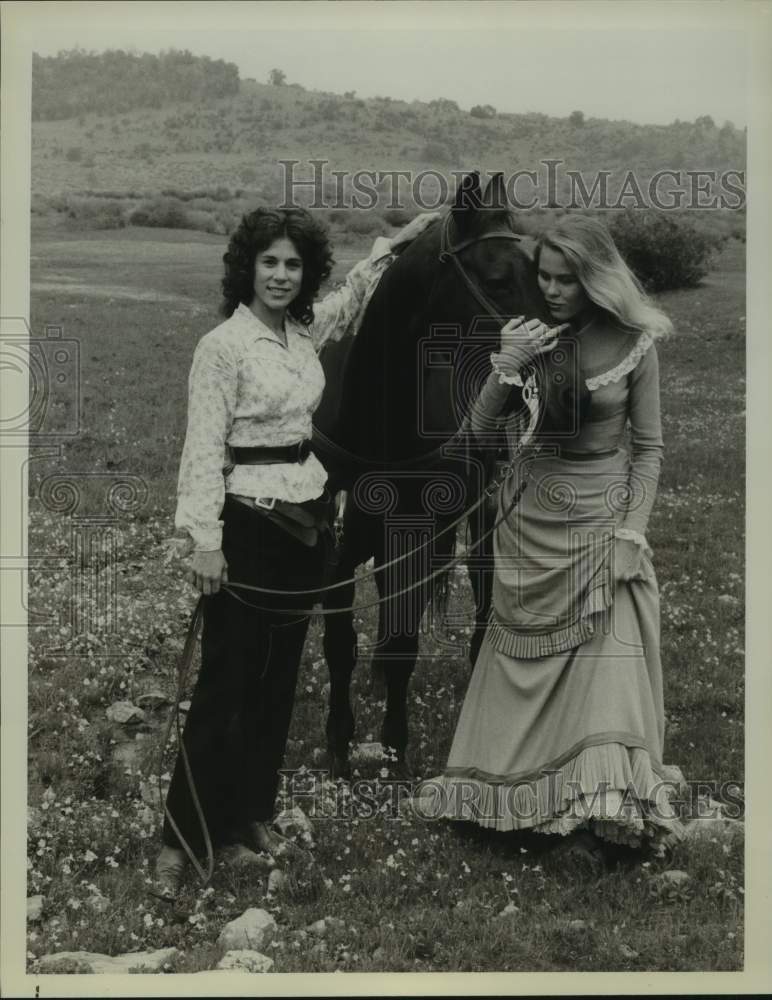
[253, 502]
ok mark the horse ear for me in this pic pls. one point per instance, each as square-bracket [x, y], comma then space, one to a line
[468, 199]
[496, 193]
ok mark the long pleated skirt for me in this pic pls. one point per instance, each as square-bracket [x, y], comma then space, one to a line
[563, 722]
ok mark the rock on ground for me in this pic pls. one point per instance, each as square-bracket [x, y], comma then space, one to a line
[673, 877]
[125, 712]
[148, 961]
[253, 930]
[292, 821]
[244, 960]
[320, 927]
[153, 699]
[276, 880]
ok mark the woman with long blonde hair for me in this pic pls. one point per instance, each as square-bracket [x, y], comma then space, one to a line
[562, 728]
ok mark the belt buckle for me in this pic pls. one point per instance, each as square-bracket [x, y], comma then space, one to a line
[265, 503]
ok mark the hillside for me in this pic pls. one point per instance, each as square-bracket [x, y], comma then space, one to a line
[236, 141]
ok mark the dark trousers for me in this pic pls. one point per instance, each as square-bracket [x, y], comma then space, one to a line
[237, 726]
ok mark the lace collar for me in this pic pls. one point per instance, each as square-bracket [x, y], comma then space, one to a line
[619, 352]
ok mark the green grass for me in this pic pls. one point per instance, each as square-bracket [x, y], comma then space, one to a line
[412, 895]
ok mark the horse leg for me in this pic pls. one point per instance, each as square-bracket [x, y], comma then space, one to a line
[340, 651]
[395, 655]
[398, 634]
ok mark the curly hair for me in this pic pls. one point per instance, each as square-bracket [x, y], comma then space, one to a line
[255, 233]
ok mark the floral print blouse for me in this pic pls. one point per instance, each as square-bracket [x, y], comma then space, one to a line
[246, 389]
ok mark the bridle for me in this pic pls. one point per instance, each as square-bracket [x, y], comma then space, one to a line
[447, 252]
[450, 252]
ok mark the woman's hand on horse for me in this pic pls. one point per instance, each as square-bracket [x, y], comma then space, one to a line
[414, 228]
[523, 339]
[208, 570]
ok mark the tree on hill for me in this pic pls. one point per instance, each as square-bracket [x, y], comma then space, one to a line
[483, 111]
[277, 77]
[577, 118]
[76, 82]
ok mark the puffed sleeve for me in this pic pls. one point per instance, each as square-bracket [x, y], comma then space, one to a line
[647, 446]
[341, 311]
[212, 390]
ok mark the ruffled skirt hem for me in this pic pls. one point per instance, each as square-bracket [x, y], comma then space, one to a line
[609, 788]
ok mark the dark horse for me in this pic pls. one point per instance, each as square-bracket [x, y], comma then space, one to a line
[418, 361]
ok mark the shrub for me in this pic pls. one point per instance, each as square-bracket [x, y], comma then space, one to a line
[328, 110]
[437, 152]
[483, 111]
[247, 175]
[664, 251]
[203, 221]
[340, 217]
[167, 213]
[94, 213]
[443, 104]
[364, 223]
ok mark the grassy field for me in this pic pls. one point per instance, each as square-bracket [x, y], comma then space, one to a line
[410, 895]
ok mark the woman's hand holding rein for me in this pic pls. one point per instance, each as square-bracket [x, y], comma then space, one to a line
[207, 571]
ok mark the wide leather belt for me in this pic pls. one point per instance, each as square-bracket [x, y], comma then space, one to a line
[303, 521]
[584, 456]
[282, 455]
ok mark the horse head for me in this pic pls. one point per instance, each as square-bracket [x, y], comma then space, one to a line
[424, 345]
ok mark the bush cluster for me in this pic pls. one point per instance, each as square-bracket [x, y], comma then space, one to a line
[665, 251]
[173, 213]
